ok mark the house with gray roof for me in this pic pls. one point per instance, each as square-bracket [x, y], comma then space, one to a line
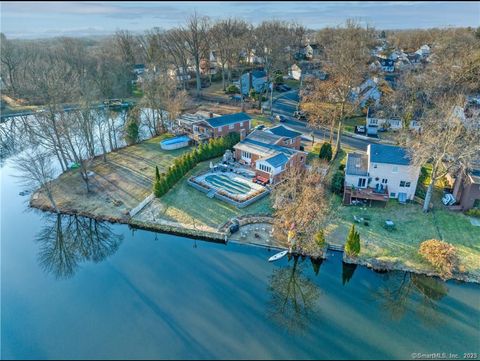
[269, 154]
[218, 126]
[385, 172]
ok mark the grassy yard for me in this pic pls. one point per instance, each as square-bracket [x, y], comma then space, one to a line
[185, 204]
[350, 123]
[412, 227]
[261, 119]
[118, 184]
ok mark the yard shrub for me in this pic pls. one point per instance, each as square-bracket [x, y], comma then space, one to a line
[232, 89]
[326, 152]
[352, 246]
[320, 238]
[474, 212]
[441, 255]
[338, 180]
[182, 165]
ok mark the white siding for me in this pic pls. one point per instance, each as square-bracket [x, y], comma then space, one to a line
[386, 171]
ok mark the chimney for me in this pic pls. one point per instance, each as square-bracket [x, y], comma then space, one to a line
[243, 133]
[210, 115]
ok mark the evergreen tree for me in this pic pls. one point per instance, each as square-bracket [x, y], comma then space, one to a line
[326, 152]
[157, 173]
[320, 238]
[352, 246]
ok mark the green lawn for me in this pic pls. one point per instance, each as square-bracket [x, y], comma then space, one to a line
[412, 227]
[350, 123]
[186, 204]
[261, 119]
[294, 84]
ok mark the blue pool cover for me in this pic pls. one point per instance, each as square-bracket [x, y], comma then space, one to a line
[175, 140]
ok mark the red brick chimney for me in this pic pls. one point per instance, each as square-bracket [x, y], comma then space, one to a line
[243, 133]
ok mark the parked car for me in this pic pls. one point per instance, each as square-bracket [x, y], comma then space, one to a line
[360, 129]
[300, 115]
[260, 127]
[280, 118]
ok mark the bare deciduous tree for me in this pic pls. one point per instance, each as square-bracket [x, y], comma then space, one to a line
[447, 140]
[37, 172]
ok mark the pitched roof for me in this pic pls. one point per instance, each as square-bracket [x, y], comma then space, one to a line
[357, 164]
[228, 119]
[264, 137]
[278, 160]
[259, 74]
[389, 154]
[284, 132]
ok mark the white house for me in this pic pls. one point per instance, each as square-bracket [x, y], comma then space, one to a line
[295, 72]
[386, 171]
[376, 120]
[368, 90]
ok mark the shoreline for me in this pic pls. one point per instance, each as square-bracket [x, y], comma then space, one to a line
[222, 237]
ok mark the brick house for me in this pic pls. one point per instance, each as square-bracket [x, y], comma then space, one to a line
[384, 172]
[215, 127]
[269, 154]
[466, 189]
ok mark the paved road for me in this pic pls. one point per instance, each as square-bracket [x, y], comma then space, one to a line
[286, 103]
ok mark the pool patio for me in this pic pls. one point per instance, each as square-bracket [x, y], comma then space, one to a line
[229, 186]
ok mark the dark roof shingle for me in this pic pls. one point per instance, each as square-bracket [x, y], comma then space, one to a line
[390, 154]
[284, 132]
[228, 119]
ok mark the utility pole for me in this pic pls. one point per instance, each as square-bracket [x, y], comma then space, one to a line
[299, 90]
[271, 98]
[241, 93]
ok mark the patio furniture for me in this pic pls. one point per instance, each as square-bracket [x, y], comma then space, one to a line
[389, 225]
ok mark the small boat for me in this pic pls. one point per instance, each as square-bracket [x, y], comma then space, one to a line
[277, 256]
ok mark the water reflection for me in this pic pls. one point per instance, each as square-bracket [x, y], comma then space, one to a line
[66, 241]
[403, 291]
[348, 269]
[293, 296]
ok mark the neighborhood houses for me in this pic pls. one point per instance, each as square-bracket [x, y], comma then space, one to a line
[240, 180]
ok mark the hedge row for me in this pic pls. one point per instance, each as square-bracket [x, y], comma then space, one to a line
[214, 148]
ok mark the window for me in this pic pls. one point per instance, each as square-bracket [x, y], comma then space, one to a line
[395, 169]
[407, 184]
[402, 183]
[246, 155]
[264, 168]
[374, 166]
[392, 195]
[362, 182]
[384, 181]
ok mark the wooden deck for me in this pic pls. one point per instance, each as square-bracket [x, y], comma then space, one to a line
[370, 194]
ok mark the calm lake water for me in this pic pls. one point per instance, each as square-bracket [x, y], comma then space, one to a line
[74, 288]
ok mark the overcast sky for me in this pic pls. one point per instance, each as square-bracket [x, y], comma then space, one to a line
[47, 19]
